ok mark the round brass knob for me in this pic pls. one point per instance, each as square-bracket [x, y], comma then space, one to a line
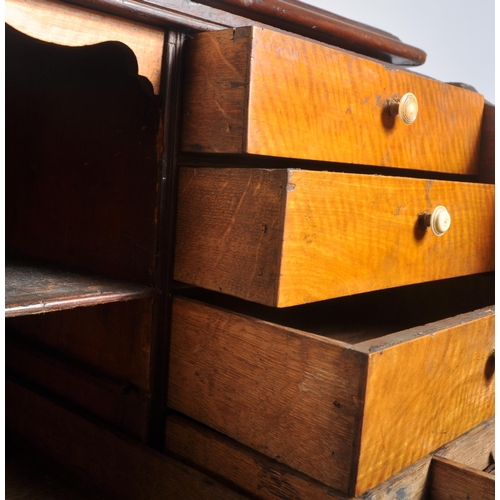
[406, 108]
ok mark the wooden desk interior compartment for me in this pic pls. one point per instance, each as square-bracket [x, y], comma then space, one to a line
[244, 261]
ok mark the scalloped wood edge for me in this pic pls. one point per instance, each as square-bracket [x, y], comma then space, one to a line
[63, 24]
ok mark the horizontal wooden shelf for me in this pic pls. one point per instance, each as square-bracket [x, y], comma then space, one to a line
[35, 289]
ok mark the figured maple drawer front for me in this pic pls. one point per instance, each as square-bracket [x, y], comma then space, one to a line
[263, 92]
[349, 406]
[287, 237]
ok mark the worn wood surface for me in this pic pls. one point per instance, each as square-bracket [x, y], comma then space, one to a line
[34, 289]
[316, 23]
[454, 481]
[307, 20]
[64, 24]
[439, 384]
[230, 230]
[304, 400]
[120, 467]
[277, 390]
[487, 157]
[114, 338]
[289, 237]
[268, 479]
[81, 161]
[305, 100]
[116, 402]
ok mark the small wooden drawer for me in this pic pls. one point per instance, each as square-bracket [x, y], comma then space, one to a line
[348, 391]
[285, 237]
[262, 92]
[452, 480]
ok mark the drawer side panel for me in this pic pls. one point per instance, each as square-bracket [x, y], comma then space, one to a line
[425, 392]
[293, 397]
[230, 230]
[215, 97]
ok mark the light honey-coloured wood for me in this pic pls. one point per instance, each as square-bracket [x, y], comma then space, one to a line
[453, 481]
[263, 92]
[437, 384]
[287, 237]
[269, 480]
[349, 416]
[61, 23]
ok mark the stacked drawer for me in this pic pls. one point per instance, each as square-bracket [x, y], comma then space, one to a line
[342, 320]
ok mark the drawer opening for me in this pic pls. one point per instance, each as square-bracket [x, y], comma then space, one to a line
[371, 315]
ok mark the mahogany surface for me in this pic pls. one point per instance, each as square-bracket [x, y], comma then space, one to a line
[293, 16]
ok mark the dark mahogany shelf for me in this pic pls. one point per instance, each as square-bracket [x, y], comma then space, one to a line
[35, 289]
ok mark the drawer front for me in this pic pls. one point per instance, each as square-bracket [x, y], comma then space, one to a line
[348, 415]
[263, 92]
[287, 237]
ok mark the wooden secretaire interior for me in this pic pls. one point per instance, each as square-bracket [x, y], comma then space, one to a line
[249, 254]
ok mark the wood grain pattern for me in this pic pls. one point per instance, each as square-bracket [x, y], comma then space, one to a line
[257, 474]
[65, 24]
[34, 289]
[308, 101]
[277, 390]
[229, 231]
[442, 395]
[454, 481]
[338, 234]
[270, 480]
[114, 339]
[123, 468]
[347, 234]
[298, 397]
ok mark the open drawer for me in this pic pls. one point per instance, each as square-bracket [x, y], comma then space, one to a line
[257, 91]
[348, 391]
[283, 237]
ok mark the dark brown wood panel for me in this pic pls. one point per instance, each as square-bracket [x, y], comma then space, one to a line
[116, 402]
[114, 338]
[122, 467]
[487, 156]
[81, 161]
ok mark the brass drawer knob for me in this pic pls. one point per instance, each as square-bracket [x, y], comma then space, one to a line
[439, 221]
[406, 108]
